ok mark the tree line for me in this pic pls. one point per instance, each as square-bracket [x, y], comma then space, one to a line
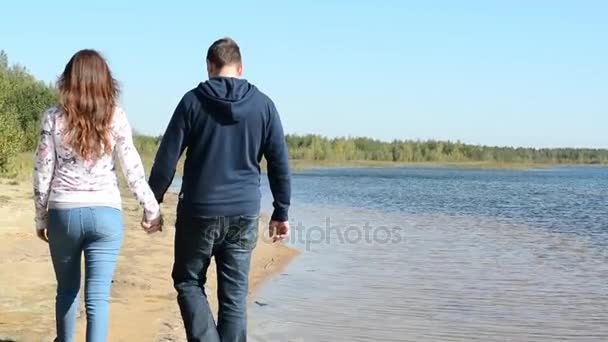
[23, 99]
[316, 147]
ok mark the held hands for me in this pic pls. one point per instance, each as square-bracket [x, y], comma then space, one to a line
[152, 226]
[279, 230]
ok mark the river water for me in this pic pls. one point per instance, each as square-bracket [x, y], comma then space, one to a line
[422, 254]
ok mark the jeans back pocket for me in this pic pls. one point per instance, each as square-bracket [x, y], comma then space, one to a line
[107, 222]
[242, 231]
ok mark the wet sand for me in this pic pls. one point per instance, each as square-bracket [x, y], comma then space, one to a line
[143, 306]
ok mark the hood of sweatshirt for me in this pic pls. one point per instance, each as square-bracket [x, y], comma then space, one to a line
[227, 97]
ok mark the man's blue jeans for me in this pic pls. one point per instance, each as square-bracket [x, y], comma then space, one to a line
[231, 241]
[98, 232]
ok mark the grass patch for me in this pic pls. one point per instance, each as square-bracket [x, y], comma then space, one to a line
[20, 168]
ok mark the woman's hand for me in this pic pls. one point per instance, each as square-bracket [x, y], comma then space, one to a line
[43, 235]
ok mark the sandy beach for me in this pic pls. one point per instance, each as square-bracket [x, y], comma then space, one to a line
[143, 306]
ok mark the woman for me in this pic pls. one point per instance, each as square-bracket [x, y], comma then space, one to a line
[78, 205]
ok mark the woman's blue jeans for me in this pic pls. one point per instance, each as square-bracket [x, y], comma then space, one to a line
[98, 232]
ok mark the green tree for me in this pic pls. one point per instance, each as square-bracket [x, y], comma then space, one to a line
[23, 99]
[3, 60]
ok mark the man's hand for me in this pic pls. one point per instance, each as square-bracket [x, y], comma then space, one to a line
[43, 235]
[279, 230]
[153, 226]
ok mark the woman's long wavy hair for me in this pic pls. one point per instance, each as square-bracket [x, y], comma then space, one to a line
[88, 94]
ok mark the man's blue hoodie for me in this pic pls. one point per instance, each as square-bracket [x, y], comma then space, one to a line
[226, 125]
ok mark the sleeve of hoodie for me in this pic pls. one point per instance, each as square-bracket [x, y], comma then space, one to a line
[172, 146]
[277, 159]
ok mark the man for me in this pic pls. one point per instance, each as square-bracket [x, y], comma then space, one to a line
[225, 125]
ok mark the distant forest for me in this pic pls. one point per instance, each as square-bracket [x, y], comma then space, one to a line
[315, 147]
[23, 99]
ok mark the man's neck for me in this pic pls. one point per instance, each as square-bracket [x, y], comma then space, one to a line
[225, 74]
[227, 71]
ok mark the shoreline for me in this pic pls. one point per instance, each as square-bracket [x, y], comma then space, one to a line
[304, 165]
[23, 165]
[143, 304]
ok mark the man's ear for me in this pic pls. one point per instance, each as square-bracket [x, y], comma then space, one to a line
[210, 68]
[239, 70]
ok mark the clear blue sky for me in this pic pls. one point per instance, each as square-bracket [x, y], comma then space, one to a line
[510, 72]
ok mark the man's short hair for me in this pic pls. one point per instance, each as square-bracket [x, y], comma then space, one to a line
[224, 52]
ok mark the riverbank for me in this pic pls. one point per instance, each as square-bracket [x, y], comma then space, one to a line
[143, 306]
[301, 165]
[23, 165]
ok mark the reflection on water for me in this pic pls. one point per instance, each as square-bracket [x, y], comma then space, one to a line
[456, 256]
